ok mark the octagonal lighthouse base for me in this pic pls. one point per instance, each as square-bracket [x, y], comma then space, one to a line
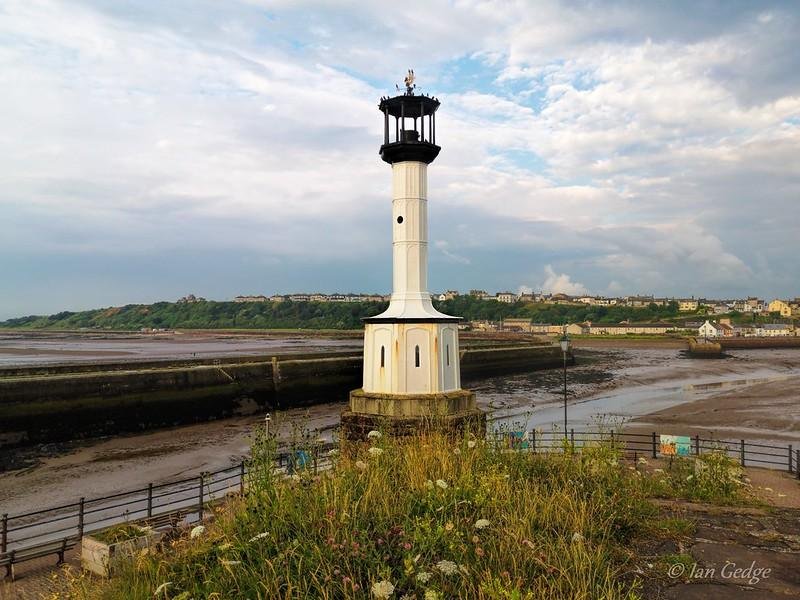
[412, 381]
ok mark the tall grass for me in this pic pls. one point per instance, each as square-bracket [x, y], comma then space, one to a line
[424, 517]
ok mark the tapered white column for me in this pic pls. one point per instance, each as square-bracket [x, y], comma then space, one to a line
[410, 231]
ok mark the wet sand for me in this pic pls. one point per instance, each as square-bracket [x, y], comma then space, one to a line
[24, 349]
[751, 395]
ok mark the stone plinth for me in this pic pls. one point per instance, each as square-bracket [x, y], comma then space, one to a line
[407, 414]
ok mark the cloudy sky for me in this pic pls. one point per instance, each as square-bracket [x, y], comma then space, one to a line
[151, 149]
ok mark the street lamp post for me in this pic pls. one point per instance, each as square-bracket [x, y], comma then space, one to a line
[564, 349]
[267, 420]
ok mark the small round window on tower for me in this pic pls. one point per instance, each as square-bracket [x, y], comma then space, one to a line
[399, 219]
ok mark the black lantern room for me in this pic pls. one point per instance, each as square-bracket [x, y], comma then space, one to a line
[412, 135]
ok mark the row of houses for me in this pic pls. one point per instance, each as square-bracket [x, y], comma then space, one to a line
[754, 305]
[750, 304]
[710, 329]
[724, 328]
[588, 328]
[314, 298]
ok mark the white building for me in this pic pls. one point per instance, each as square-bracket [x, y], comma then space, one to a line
[506, 297]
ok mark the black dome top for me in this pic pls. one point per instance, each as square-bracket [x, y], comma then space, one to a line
[409, 106]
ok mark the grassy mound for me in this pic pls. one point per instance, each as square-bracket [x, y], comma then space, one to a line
[427, 517]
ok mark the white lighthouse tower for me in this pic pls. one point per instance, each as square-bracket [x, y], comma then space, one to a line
[411, 357]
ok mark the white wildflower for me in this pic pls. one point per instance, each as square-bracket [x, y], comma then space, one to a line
[767, 489]
[382, 589]
[258, 537]
[162, 588]
[481, 524]
[375, 451]
[457, 451]
[196, 532]
[429, 484]
[690, 477]
[424, 576]
[374, 435]
[658, 470]
[471, 444]
[577, 537]
[295, 477]
[642, 460]
[360, 464]
[441, 484]
[447, 567]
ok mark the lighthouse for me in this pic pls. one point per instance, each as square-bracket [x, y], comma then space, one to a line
[412, 376]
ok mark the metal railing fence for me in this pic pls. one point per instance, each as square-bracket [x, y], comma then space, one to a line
[56, 529]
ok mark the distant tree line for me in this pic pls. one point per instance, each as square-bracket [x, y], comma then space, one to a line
[320, 315]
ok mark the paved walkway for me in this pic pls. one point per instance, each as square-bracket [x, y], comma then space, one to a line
[38, 578]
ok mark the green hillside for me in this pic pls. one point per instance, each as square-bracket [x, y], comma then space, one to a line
[317, 315]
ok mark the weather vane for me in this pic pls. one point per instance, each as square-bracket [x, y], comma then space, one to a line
[409, 83]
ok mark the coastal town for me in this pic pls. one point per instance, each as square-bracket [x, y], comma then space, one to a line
[703, 317]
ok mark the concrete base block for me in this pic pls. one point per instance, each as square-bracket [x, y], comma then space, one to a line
[411, 405]
[451, 412]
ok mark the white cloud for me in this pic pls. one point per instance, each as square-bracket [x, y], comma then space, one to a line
[560, 283]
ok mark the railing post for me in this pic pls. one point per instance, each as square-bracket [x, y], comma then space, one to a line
[149, 500]
[4, 534]
[797, 462]
[655, 448]
[741, 451]
[200, 499]
[572, 440]
[790, 459]
[612, 438]
[241, 478]
[697, 445]
[81, 505]
[533, 438]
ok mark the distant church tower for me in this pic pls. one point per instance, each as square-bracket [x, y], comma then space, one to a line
[411, 359]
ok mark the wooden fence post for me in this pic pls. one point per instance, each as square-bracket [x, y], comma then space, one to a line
[200, 499]
[4, 534]
[790, 459]
[741, 451]
[149, 500]
[655, 448]
[81, 507]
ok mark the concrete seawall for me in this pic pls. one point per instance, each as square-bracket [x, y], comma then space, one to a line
[53, 403]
